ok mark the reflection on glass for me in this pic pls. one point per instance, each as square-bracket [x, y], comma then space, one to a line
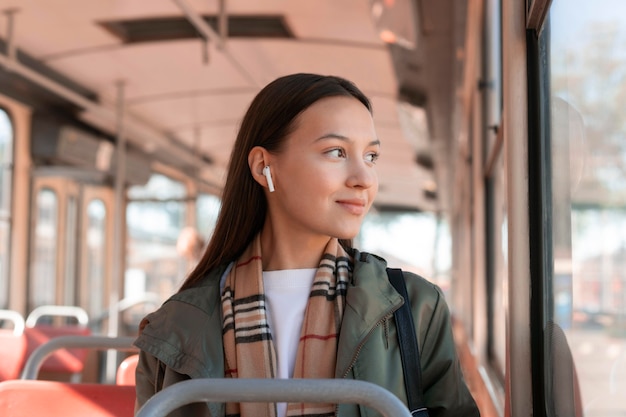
[588, 83]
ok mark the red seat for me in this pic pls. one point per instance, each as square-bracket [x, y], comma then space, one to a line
[69, 361]
[126, 371]
[12, 354]
[20, 398]
[12, 346]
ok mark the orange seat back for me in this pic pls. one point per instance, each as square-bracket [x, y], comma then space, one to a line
[126, 371]
[22, 398]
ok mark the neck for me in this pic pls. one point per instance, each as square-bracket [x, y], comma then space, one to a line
[290, 251]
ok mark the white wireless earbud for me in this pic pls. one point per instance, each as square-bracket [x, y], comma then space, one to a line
[268, 176]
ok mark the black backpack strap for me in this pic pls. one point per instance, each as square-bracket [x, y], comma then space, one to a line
[409, 350]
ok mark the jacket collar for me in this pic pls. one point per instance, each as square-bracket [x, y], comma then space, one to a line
[371, 299]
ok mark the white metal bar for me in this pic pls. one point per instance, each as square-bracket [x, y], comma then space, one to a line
[52, 310]
[208, 33]
[16, 318]
[39, 355]
[117, 269]
[223, 22]
[199, 23]
[11, 50]
[334, 391]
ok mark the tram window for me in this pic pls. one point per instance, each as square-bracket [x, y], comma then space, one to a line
[207, 207]
[588, 146]
[6, 175]
[495, 190]
[155, 217]
[42, 288]
[497, 276]
[417, 242]
[71, 220]
[96, 256]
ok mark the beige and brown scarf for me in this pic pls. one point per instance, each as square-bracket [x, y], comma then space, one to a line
[248, 347]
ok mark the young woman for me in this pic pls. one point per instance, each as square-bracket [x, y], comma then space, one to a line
[280, 292]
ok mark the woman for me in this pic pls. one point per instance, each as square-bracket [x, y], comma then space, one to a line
[280, 292]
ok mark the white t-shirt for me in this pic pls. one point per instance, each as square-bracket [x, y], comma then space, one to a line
[286, 294]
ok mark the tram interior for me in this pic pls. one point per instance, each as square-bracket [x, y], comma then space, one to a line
[117, 120]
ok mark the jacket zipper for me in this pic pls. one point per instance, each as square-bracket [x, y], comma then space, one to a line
[360, 346]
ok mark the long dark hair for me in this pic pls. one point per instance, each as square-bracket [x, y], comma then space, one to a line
[267, 123]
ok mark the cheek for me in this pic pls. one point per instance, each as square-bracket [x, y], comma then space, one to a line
[313, 180]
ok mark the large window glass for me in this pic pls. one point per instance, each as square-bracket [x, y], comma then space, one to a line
[96, 256]
[69, 264]
[42, 289]
[587, 63]
[415, 241]
[207, 206]
[155, 218]
[6, 171]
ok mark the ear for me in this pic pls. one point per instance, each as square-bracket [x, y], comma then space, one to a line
[258, 158]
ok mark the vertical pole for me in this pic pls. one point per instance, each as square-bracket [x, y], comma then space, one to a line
[518, 389]
[119, 244]
[11, 51]
[223, 24]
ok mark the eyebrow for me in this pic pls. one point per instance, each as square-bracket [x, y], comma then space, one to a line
[375, 142]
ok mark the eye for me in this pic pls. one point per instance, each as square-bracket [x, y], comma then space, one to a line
[337, 153]
[372, 157]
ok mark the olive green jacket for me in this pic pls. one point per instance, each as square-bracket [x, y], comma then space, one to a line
[183, 339]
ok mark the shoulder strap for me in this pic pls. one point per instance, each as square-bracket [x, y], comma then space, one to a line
[409, 350]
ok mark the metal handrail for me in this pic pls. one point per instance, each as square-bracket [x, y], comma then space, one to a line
[16, 318]
[52, 310]
[39, 355]
[125, 304]
[335, 391]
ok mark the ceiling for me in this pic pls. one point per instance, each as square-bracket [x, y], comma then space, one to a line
[183, 96]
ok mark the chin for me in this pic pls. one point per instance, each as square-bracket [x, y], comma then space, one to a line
[346, 230]
[347, 235]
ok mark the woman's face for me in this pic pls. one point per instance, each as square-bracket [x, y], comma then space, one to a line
[325, 175]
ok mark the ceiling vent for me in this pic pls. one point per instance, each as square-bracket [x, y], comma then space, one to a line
[178, 27]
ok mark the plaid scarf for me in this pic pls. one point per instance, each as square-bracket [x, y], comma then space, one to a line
[248, 348]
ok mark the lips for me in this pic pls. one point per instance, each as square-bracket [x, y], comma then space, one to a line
[353, 206]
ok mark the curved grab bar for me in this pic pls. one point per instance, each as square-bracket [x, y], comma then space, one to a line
[16, 318]
[128, 302]
[337, 391]
[51, 310]
[39, 355]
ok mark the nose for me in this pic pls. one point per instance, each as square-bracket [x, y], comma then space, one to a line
[362, 175]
